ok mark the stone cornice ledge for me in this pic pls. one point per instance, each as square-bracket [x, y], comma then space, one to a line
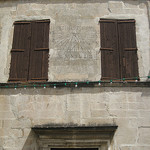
[74, 84]
[45, 129]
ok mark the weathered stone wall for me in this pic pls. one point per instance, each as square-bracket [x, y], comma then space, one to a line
[74, 55]
[74, 33]
[129, 108]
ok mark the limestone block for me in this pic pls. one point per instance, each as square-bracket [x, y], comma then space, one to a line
[7, 123]
[131, 4]
[118, 106]
[142, 5]
[125, 147]
[138, 96]
[144, 135]
[115, 7]
[144, 114]
[10, 132]
[35, 13]
[115, 4]
[73, 103]
[4, 100]
[99, 113]
[97, 121]
[0, 29]
[40, 107]
[133, 113]
[133, 122]
[4, 107]
[99, 97]
[10, 148]
[126, 135]
[13, 14]
[131, 97]
[45, 103]
[9, 142]
[54, 109]
[96, 105]
[20, 142]
[37, 6]
[137, 106]
[117, 97]
[41, 121]
[126, 122]
[6, 114]
[134, 11]
[85, 108]
[15, 133]
[1, 123]
[145, 100]
[144, 121]
[1, 141]
[49, 114]
[2, 132]
[141, 147]
[26, 132]
[23, 8]
[20, 124]
[73, 117]
[123, 122]
[118, 113]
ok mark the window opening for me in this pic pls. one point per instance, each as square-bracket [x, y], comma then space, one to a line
[118, 49]
[29, 54]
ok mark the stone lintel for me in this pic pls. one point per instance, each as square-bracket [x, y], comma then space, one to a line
[73, 130]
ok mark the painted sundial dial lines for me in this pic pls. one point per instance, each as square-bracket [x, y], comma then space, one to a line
[74, 42]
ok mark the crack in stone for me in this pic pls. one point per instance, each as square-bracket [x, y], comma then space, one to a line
[144, 127]
[109, 9]
[111, 115]
[14, 109]
[138, 135]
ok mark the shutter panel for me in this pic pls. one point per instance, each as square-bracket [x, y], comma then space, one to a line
[38, 70]
[20, 52]
[109, 50]
[128, 48]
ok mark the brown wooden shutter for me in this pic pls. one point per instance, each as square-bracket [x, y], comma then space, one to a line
[128, 48]
[109, 50]
[38, 70]
[20, 51]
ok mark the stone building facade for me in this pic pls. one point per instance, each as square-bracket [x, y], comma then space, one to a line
[71, 110]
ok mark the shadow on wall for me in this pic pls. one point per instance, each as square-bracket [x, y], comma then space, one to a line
[70, 90]
[9, 3]
[31, 142]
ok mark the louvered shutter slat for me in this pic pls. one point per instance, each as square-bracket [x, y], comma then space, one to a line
[38, 69]
[20, 52]
[109, 50]
[128, 48]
